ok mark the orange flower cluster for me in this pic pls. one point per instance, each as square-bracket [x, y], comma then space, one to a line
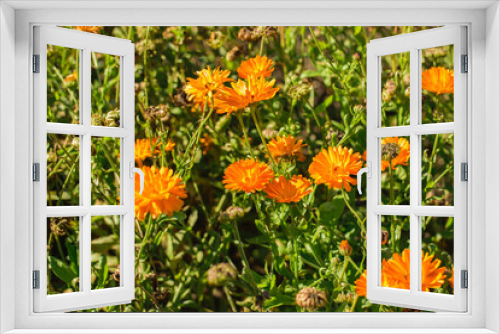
[286, 147]
[247, 175]
[396, 273]
[438, 80]
[72, 77]
[254, 88]
[282, 190]
[163, 193]
[334, 167]
[143, 149]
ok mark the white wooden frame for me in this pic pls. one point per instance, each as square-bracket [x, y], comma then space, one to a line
[86, 44]
[414, 43]
[482, 17]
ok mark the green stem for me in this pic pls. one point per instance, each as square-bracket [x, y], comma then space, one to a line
[246, 264]
[391, 202]
[353, 307]
[245, 133]
[262, 46]
[346, 262]
[230, 299]
[259, 130]
[360, 221]
[316, 119]
[149, 228]
[146, 101]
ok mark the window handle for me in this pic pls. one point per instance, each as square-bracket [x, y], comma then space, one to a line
[134, 170]
[368, 171]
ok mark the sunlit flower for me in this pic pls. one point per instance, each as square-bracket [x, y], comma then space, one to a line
[247, 175]
[143, 148]
[285, 191]
[163, 193]
[91, 29]
[345, 249]
[244, 93]
[72, 77]
[286, 147]
[438, 80]
[206, 85]
[206, 142]
[395, 150]
[334, 167]
[258, 66]
[451, 279]
[397, 270]
[360, 283]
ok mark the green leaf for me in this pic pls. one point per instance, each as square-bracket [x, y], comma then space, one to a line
[102, 271]
[331, 211]
[73, 257]
[278, 300]
[310, 74]
[357, 30]
[61, 270]
[103, 244]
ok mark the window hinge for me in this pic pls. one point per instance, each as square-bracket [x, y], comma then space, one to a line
[465, 64]
[36, 279]
[36, 63]
[464, 171]
[465, 279]
[36, 172]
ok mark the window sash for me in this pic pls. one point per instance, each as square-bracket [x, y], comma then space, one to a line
[413, 43]
[86, 43]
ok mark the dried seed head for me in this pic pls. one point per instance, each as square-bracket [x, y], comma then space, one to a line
[156, 112]
[220, 274]
[116, 274]
[96, 120]
[180, 99]
[390, 151]
[235, 52]
[232, 213]
[345, 249]
[247, 34]
[112, 118]
[59, 226]
[160, 296]
[299, 91]
[311, 299]
[385, 237]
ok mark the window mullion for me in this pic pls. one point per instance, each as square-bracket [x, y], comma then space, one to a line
[415, 168]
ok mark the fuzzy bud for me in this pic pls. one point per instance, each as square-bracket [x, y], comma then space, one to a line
[220, 274]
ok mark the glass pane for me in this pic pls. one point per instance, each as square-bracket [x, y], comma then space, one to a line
[437, 169]
[437, 254]
[63, 170]
[395, 81]
[105, 256]
[105, 171]
[63, 255]
[105, 90]
[395, 252]
[395, 170]
[437, 84]
[63, 85]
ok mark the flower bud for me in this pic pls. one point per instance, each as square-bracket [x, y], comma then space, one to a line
[390, 87]
[407, 92]
[345, 249]
[157, 112]
[311, 299]
[51, 156]
[76, 143]
[358, 108]
[220, 274]
[269, 133]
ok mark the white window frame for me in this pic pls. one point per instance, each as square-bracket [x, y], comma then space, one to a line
[85, 43]
[414, 43]
[484, 102]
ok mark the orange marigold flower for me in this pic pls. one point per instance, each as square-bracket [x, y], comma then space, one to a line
[451, 279]
[438, 80]
[360, 283]
[345, 249]
[395, 150]
[397, 270]
[247, 175]
[72, 77]
[334, 167]
[258, 66]
[143, 148]
[289, 146]
[244, 93]
[206, 142]
[163, 193]
[207, 84]
[91, 29]
[285, 191]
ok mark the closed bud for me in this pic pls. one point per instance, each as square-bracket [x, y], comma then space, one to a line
[390, 87]
[232, 213]
[345, 249]
[299, 91]
[76, 143]
[385, 237]
[269, 133]
[358, 108]
[51, 156]
[386, 96]
[407, 92]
